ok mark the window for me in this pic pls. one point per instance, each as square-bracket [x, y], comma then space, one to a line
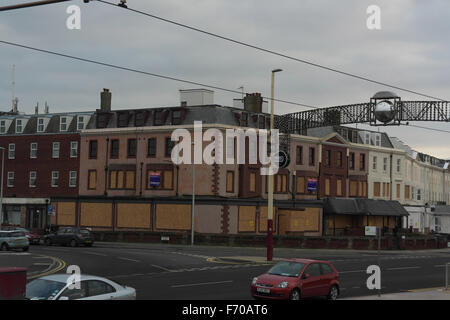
[419, 194]
[55, 150]
[97, 288]
[252, 186]
[74, 293]
[114, 154]
[72, 179]
[40, 125]
[123, 119]
[407, 195]
[92, 179]
[19, 126]
[300, 186]
[328, 158]
[399, 162]
[33, 150]
[74, 149]
[261, 122]
[280, 181]
[385, 164]
[244, 119]
[398, 191]
[11, 151]
[166, 182]
[299, 155]
[169, 147]
[376, 189]
[80, 123]
[32, 182]
[351, 162]
[326, 269]
[63, 124]
[230, 181]
[131, 148]
[122, 179]
[158, 120]
[313, 270]
[362, 164]
[93, 149]
[55, 178]
[353, 192]
[327, 186]
[2, 126]
[151, 147]
[339, 187]
[139, 119]
[176, 117]
[10, 182]
[374, 163]
[102, 121]
[312, 156]
[339, 159]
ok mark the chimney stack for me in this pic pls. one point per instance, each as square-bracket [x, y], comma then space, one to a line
[253, 102]
[15, 105]
[105, 100]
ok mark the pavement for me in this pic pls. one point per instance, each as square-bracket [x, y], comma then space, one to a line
[420, 294]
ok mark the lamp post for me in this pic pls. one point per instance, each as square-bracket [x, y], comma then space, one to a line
[270, 179]
[193, 195]
[1, 186]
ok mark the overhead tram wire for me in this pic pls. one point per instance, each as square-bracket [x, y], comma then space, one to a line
[110, 65]
[317, 65]
[160, 76]
[31, 4]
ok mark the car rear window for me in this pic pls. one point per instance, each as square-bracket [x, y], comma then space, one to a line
[326, 269]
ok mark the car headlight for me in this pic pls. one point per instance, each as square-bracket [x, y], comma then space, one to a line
[255, 279]
[283, 284]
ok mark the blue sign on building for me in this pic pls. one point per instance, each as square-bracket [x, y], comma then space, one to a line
[155, 179]
[312, 185]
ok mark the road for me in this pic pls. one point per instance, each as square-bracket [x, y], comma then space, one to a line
[161, 271]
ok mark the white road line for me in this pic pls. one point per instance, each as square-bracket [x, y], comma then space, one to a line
[95, 253]
[200, 284]
[352, 271]
[403, 268]
[41, 264]
[127, 259]
[162, 268]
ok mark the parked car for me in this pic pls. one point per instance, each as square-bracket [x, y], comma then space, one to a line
[297, 278]
[70, 236]
[32, 237]
[13, 240]
[57, 287]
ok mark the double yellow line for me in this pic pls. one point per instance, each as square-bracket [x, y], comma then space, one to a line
[60, 264]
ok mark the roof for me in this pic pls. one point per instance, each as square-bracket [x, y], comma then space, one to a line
[385, 95]
[367, 207]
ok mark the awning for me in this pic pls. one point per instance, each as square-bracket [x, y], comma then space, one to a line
[441, 211]
[365, 207]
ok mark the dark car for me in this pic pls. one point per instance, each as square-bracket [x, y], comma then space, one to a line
[70, 236]
[32, 237]
[297, 278]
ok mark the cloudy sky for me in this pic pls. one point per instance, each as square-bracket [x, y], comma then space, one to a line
[411, 51]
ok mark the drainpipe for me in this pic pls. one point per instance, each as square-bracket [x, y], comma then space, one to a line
[390, 177]
[106, 166]
[142, 181]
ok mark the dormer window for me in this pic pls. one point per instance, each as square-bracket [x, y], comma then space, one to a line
[40, 125]
[176, 117]
[63, 124]
[244, 119]
[158, 120]
[102, 120]
[123, 119]
[80, 123]
[19, 126]
[139, 119]
[2, 126]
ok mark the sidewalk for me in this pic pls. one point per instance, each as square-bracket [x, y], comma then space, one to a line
[420, 294]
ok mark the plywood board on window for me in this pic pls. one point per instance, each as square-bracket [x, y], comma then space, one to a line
[173, 216]
[300, 221]
[247, 219]
[263, 219]
[96, 214]
[133, 215]
[66, 213]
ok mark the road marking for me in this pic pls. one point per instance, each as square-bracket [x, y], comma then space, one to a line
[403, 268]
[95, 253]
[127, 259]
[439, 266]
[41, 264]
[352, 271]
[14, 253]
[60, 264]
[201, 284]
[162, 268]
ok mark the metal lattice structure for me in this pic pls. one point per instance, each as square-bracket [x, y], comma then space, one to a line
[299, 122]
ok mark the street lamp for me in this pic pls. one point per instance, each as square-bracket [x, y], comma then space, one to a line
[1, 186]
[270, 178]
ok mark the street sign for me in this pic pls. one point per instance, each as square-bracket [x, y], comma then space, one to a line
[312, 185]
[370, 231]
[51, 210]
[155, 179]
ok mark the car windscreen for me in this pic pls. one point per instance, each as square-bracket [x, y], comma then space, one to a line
[17, 234]
[43, 289]
[287, 269]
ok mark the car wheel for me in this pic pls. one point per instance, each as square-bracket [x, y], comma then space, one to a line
[4, 247]
[334, 293]
[25, 249]
[295, 295]
[48, 242]
[73, 243]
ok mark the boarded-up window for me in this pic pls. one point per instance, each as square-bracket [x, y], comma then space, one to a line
[65, 213]
[327, 186]
[407, 195]
[130, 176]
[360, 189]
[284, 183]
[247, 217]
[173, 216]
[133, 215]
[376, 189]
[388, 189]
[120, 175]
[300, 185]
[230, 181]
[96, 214]
[353, 188]
[364, 185]
[92, 179]
[168, 179]
[263, 219]
[252, 186]
[398, 190]
[113, 179]
[339, 187]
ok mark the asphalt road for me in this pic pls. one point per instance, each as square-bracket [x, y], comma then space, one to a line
[161, 271]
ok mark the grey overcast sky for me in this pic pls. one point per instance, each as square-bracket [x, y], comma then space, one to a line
[411, 50]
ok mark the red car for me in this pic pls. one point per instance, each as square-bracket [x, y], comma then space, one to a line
[294, 279]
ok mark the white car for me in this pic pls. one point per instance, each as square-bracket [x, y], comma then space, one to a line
[60, 287]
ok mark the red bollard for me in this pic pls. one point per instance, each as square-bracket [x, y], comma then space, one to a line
[13, 283]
